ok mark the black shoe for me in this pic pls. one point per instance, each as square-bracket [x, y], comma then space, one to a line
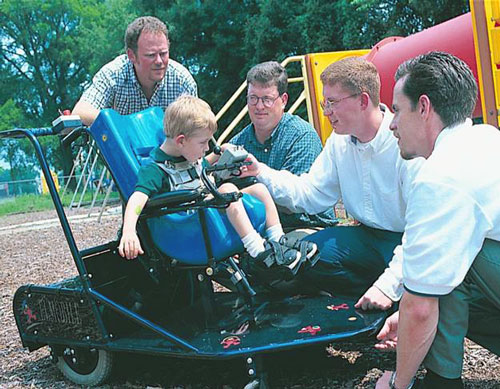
[307, 249]
[276, 263]
[278, 254]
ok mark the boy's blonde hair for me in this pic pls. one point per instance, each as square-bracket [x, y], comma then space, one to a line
[188, 115]
[355, 74]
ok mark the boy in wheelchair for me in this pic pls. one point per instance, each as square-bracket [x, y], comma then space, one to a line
[189, 125]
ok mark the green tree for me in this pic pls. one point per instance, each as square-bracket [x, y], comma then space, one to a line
[49, 50]
[4, 175]
[16, 152]
[369, 21]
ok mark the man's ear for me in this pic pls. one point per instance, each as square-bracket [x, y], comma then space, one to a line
[131, 55]
[365, 100]
[424, 106]
[284, 97]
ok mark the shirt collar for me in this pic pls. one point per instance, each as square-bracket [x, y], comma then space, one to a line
[158, 155]
[451, 129]
[383, 131]
[274, 135]
[278, 129]
[131, 73]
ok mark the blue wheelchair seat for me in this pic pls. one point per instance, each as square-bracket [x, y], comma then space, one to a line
[125, 142]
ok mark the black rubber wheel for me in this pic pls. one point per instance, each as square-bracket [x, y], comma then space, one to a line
[88, 367]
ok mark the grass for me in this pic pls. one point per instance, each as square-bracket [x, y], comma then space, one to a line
[33, 203]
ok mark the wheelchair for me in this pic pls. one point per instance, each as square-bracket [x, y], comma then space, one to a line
[165, 302]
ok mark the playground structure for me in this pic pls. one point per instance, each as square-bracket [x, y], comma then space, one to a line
[473, 37]
[101, 311]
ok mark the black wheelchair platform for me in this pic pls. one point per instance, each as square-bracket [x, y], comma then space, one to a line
[272, 324]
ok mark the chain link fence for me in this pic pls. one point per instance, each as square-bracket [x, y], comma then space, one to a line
[30, 186]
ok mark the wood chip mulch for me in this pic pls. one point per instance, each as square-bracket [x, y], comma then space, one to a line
[41, 256]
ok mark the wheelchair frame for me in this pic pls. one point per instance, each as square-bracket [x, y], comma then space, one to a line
[86, 319]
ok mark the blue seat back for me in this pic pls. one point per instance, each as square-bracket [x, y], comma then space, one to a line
[125, 143]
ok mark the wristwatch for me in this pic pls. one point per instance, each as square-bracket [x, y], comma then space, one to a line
[392, 382]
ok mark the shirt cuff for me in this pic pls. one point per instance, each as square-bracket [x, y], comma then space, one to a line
[390, 285]
[265, 174]
[427, 290]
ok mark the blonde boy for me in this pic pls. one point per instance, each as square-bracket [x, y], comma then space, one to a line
[189, 124]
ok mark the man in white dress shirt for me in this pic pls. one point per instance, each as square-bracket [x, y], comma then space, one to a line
[361, 165]
[452, 236]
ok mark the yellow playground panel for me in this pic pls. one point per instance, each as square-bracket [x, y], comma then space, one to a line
[486, 29]
[45, 188]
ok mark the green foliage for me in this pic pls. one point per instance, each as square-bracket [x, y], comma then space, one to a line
[102, 31]
[10, 116]
[207, 37]
[4, 174]
[369, 21]
[52, 47]
[12, 151]
[38, 40]
[48, 52]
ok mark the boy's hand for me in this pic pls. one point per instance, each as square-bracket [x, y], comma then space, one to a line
[130, 246]
[213, 158]
[252, 170]
[226, 146]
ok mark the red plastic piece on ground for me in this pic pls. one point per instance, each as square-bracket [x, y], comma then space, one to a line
[337, 307]
[230, 341]
[313, 330]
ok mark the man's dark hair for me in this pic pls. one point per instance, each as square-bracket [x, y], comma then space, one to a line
[445, 79]
[268, 74]
[144, 23]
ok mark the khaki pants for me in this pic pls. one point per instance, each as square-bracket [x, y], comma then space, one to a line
[446, 354]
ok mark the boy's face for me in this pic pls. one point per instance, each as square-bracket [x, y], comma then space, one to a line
[195, 146]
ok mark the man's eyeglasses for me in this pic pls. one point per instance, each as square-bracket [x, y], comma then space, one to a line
[329, 104]
[266, 100]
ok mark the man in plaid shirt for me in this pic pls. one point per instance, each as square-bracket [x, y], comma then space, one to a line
[143, 77]
[278, 139]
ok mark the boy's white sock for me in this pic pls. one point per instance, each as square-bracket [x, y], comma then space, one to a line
[254, 244]
[275, 232]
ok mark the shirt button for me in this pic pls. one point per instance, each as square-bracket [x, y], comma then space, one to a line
[266, 150]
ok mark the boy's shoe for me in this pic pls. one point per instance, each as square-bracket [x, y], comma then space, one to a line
[307, 249]
[285, 260]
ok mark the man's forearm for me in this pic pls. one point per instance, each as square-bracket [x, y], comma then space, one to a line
[418, 318]
[86, 111]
